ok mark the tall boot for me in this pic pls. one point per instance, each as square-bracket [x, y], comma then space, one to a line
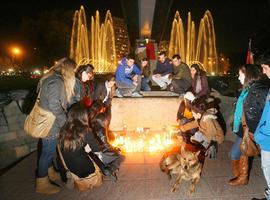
[44, 186]
[235, 169]
[242, 179]
[53, 175]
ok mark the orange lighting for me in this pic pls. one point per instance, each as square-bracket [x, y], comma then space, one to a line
[144, 141]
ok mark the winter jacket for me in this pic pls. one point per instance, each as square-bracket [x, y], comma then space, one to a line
[262, 133]
[182, 72]
[78, 161]
[100, 93]
[53, 98]
[124, 73]
[254, 104]
[205, 91]
[209, 126]
[164, 68]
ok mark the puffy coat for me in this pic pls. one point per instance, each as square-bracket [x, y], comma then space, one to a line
[209, 126]
[254, 104]
[262, 133]
[53, 98]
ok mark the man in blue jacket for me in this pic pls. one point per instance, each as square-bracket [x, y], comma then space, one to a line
[128, 79]
[262, 133]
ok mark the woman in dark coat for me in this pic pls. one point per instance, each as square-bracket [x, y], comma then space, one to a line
[56, 94]
[250, 104]
[200, 86]
[74, 140]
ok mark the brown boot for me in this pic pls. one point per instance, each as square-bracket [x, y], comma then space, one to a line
[53, 175]
[235, 169]
[242, 179]
[44, 186]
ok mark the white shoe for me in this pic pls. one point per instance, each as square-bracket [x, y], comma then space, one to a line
[136, 94]
[164, 87]
[118, 93]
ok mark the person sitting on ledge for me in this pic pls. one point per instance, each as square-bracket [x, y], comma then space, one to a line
[145, 69]
[163, 70]
[181, 78]
[128, 79]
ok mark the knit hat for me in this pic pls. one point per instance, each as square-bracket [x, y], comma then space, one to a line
[189, 96]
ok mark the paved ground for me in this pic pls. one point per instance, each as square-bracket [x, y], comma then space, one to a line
[140, 179]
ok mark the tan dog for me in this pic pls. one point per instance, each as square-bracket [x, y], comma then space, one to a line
[185, 165]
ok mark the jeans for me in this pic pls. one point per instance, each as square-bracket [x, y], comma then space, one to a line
[145, 84]
[235, 150]
[265, 159]
[47, 152]
[127, 89]
[180, 86]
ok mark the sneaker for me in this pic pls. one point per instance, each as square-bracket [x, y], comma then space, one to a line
[164, 87]
[118, 93]
[136, 94]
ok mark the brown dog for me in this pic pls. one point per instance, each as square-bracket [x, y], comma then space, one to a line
[185, 165]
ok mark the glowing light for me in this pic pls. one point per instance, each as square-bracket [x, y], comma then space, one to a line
[16, 50]
[142, 140]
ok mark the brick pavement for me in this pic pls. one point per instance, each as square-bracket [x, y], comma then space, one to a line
[140, 178]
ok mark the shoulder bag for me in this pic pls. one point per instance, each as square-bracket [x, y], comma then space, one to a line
[81, 184]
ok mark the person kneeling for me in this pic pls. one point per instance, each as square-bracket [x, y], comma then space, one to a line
[209, 129]
[75, 146]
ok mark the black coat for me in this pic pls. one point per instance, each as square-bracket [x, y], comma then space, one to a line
[100, 93]
[254, 104]
[78, 161]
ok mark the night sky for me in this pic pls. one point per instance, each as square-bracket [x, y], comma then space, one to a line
[235, 20]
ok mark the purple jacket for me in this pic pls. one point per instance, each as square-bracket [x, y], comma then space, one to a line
[164, 68]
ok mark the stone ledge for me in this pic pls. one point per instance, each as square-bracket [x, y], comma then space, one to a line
[153, 112]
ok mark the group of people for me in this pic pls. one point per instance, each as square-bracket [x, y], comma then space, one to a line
[82, 109]
[170, 74]
[252, 112]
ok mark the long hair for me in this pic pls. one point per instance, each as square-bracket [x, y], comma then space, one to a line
[199, 71]
[252, 73]
[65, 67]
[84, 68]
[72, 133]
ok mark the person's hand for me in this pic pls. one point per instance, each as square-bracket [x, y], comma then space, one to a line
[135, 78]
[181, 128]
[135, 83]
[87, 148]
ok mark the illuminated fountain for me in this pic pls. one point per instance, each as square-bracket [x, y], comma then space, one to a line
[195, 47]
[96, 47]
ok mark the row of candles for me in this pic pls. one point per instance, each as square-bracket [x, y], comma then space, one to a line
[142, 140]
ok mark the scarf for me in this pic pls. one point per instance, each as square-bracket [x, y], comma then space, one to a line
[239, 110]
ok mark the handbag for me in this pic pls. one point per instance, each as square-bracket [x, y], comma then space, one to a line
[39, 122]
[81, 184]
[248, 146]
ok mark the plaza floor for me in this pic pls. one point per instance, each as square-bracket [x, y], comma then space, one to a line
[140, 179]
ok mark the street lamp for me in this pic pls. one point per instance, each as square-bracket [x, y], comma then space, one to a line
[15, 51]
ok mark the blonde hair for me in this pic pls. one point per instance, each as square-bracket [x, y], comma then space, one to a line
[65, 67]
